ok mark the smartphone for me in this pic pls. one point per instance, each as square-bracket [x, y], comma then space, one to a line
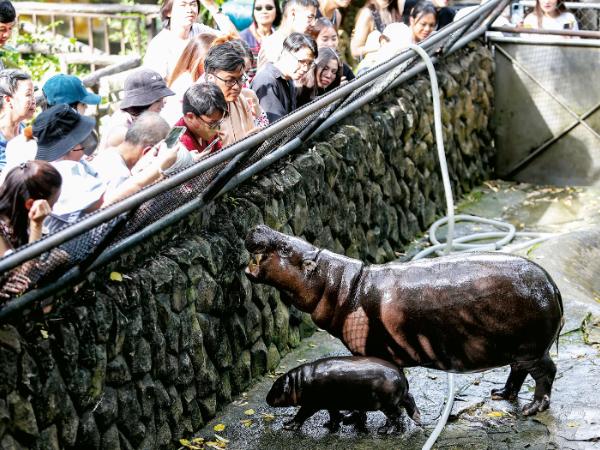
[173, 136]
[517, 13]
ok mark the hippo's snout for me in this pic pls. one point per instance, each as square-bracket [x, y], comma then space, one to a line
[260, 239]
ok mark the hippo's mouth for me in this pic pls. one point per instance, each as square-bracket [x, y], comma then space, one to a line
[253, 268]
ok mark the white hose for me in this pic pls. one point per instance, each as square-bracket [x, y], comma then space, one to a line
[459, 244]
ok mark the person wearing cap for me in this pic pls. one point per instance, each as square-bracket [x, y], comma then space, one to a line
[8, 17]
[144, 90]
[64, 136]
[69, 89]
[17, 104]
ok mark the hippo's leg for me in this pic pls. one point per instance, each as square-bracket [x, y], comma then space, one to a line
[411, 409]
[303, 414]
[543, 372]
[393, 422]
[513, 384]
[335, 417]
[358, 419]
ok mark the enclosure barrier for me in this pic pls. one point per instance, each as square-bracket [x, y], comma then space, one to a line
[64, 257]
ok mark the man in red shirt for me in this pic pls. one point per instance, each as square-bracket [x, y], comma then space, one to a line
[204, 109]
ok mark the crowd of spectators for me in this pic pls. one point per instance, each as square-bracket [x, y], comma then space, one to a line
[218, 84]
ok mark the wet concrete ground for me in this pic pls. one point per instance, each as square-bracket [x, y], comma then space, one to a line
[476, 422]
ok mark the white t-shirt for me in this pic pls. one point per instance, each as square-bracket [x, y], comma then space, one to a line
[165, 48]
[81, 188]
[18, 150]
[111, 169]
[565, 21]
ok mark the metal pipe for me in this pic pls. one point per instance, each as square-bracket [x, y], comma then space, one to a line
[569, 33]
[554, 42]
[87, 223]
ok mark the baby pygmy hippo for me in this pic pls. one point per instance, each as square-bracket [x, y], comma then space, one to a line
[353, 383]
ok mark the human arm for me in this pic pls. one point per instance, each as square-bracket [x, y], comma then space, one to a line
[40, 209]
[362, 28]
[222, 20]
[165, 158]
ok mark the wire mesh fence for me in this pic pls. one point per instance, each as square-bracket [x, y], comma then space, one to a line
[49, 262]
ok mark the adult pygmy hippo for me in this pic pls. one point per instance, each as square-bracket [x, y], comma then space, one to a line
[457, 313]
[345, 383]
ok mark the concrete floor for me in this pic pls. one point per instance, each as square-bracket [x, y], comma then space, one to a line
[476, 422]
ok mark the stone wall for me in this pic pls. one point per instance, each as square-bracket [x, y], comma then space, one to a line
[144, 352]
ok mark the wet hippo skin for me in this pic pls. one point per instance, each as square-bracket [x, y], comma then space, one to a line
[458, 313]
[345, 383]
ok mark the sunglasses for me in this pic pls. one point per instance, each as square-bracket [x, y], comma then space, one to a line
[266, 7]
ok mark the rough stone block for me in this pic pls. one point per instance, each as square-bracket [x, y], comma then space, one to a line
[259, 358]
[88, 436]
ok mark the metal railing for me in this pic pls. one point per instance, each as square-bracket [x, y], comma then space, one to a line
[295, 128]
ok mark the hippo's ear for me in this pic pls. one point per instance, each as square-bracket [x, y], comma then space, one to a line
[308, 266]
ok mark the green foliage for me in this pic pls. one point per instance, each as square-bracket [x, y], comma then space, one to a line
[34, 63]
[126, 31]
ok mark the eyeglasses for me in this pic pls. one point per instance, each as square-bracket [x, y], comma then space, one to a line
[308, 63]
[266, 7]
[231, 83]
[214, 125]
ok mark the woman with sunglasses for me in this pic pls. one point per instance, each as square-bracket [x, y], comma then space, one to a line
[225, 66]
[266, 16]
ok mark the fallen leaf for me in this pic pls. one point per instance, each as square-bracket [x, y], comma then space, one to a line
[311, 345]
[116, 276]
[496, 414]
[246, 422]
[198, 440]
[219, 427]
[572, 424]
[44, 334]
[215, 444]
[188, 444]
[221, 439]
[302, 360]
[249, 412]
[268, 417]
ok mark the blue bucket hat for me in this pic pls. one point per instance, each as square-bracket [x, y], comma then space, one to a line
[68, 89]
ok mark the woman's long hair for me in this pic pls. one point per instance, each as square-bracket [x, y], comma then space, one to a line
[560, 7]
[326, 54]
[192, 57]
[37, 180]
